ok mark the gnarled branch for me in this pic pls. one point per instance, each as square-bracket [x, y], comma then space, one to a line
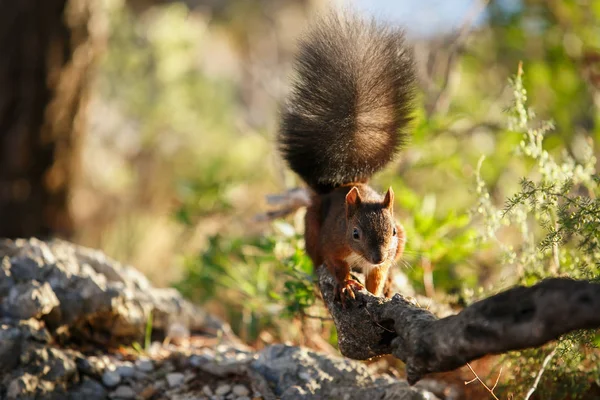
[518, 318]
[285, 203]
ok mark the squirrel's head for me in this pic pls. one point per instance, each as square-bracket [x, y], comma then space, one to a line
[371, 229]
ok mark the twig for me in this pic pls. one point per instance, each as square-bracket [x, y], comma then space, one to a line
[540, 373]
[497, 379]
[478, 7]
[471, 381]
[286, 203]
[441, 98]
[304, 314]
[483, 383]
[428, 277]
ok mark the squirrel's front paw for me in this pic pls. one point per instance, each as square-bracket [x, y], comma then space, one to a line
[346, 289]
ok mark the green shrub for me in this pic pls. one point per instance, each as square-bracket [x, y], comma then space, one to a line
[261, 282]
[548, 228]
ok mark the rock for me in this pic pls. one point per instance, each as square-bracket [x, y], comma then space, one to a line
[89, 389]
[199, 360]
[87, 292]
[297, 373]
[206, 390]
[111, 379]
[56, 365]
[91, 366]
[10, 347]
[6, 279]
[62, 366]
[222, 390]
[34, 330]
[442, 389]
[85, 367]
[28, 386]
[126, 370]
[144, 365]
[189, 376]
[23, 385]
[178, 332]
[140, 376]
[240, 390]
[29, 300]
[25, 269]
[30, 367]
[167, 365]
[228, 361]
[123, 392]
[160, 385]
[175, 379]
[55, 295]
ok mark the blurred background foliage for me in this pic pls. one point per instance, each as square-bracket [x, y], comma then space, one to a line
[179, 155]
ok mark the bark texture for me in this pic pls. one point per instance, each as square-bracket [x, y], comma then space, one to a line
[46, 56]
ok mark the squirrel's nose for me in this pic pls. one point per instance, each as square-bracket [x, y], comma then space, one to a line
[377, 258]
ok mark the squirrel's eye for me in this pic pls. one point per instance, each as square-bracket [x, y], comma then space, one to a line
[394, 231]
[355, 234]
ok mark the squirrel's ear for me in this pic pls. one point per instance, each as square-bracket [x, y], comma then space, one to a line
[388, 201]
[353, 200]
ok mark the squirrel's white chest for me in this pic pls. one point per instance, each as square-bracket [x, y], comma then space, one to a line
[355, 260]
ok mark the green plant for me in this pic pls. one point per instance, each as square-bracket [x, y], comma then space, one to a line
[148, 332]
[549, 227]
[557, 210]
[439, 243]
[257, 280]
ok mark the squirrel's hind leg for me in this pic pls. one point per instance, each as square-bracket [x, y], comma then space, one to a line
[312, 233]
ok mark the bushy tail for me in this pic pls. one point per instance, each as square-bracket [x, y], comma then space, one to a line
[347, 113]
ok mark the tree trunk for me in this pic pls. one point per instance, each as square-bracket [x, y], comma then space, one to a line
[45, 55]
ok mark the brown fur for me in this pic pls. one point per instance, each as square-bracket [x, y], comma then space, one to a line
[350, 103]
[345, 119]
[330, 224]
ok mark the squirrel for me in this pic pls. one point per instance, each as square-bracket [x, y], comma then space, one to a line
[344, 120]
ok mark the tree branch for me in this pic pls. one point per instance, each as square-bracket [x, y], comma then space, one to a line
[285, 203]
[515, 319]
